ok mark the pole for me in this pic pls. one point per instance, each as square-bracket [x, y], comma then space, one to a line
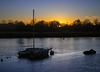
[33, 30]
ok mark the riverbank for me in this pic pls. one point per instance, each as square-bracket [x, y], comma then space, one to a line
[48, 34]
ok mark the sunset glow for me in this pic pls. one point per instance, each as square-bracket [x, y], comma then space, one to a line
[64, 11]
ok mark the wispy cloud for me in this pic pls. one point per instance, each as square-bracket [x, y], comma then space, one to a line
[92, 16]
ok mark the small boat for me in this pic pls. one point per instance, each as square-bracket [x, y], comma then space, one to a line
[34, 53]
[1, 59]
[91, 51]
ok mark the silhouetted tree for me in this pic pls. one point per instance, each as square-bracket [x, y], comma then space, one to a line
[16, 22]
[77, 22]
[54, 24]
[29, 28]
[20, 26]
[76, 25]
[96, 21]
[87, 21]
[87, 25]
[41, 26]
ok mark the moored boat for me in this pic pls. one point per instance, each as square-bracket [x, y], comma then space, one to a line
[34, 53]
[91, 51]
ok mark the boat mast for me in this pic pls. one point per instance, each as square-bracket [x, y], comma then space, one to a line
[33, 30]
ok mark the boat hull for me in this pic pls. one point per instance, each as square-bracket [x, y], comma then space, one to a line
[34, 53]
[89, 52]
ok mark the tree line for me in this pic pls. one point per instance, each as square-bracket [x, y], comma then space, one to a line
[52, 26]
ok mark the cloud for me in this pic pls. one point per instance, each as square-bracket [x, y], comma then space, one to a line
[92, 16]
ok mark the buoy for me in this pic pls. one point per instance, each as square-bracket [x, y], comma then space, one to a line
[1, 60]
[51, 52]
[63, 38]
[7, 57]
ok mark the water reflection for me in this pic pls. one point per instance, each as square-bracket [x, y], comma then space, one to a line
[58, 44]
[69, 55]
[20, 41]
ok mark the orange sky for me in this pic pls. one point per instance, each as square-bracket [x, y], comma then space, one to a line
[61, 19]
[64, 11]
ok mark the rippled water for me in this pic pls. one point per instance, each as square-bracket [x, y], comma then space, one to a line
[68, 55]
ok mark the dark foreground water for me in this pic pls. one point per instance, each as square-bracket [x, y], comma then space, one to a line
[68, 56]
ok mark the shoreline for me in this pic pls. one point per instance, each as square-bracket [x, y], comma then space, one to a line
[48, 34]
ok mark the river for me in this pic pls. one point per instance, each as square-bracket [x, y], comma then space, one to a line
[68, 56]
